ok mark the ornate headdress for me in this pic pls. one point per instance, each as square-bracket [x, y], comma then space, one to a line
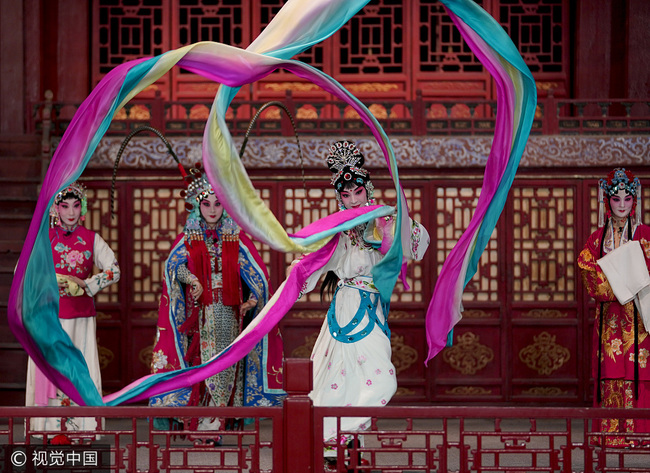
[618, 179]
[75, 190]
[346, 163]
[198, 188]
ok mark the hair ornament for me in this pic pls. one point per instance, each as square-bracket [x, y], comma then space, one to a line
[346, 161]
[620, 179]
[617, 180]
[75, 190]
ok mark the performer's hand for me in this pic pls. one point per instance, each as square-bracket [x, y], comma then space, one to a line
[80, 282]
[293, 263]
[384, 222]
[246, 306]
[196, 290]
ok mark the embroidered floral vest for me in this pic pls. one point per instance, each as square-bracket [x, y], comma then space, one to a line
[73, 255]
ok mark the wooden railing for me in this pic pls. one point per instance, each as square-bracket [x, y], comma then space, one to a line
[419, 117]
[289, 438]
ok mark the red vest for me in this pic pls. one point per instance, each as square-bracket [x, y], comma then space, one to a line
[73, 255]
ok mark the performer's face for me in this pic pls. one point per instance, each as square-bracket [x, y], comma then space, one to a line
[211, 209]
[621, 204]
[355, 197]
[69, 211]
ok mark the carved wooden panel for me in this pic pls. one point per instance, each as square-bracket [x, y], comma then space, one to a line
[124, 30]
[544, 243]
[390, 48]
[454, 209]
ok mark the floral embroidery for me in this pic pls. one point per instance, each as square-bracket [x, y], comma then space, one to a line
[390, 371]
[335, 386]
[643, 357]
[74, 257]
[416, 234]
[383, 402]
[61, 248]
[616, 346]
[377, 371]
[159, 360]
[329, 365]
[368, 383]
[361, 360]
[343, 372]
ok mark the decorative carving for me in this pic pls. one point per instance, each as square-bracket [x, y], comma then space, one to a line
[420, 152]
[309, 314]
[400, 314]
[304, 350]
[105, 355]
[544, 355]
[545, 391]
[145, 355]
[152, 314]
[373, 87]
[476, 314]
[468, 356]
[294, 86]
[403, 355]
[545, 314]
[401, 391]
[469, 391]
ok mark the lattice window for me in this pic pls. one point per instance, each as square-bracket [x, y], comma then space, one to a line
[127, 29]
[372, 42]
[537, 30]
[454, 209]
[544, 243]
[211, 20]
[441, 48]
[98, 219]
[158, 217]
[267, 9]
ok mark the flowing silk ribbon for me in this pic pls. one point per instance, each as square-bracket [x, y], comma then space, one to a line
[33, 300]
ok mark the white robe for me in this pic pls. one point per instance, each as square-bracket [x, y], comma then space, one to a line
[359, 373]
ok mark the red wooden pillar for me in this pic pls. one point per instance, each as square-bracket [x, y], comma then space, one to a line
[298, 416]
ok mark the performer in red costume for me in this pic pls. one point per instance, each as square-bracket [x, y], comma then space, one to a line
[621, 346]
[75, 250]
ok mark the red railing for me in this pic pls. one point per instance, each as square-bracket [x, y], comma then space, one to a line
[418, 117]
[289, 439]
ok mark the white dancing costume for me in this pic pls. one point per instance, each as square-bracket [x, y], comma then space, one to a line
[357, 371]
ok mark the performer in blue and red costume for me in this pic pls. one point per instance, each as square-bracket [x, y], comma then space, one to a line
[214, 282]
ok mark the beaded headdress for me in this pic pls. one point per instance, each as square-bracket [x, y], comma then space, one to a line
[78, 191]
[346, 163]
[198, 188]
[618, 179]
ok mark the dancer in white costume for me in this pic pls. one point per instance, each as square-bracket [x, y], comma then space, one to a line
[352, 355]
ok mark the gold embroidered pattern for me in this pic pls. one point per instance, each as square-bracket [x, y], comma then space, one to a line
[544, 355]
[468, 355]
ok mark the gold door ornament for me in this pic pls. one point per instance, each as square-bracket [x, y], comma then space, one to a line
[468, 355]
[544, 355]
[403, 355]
